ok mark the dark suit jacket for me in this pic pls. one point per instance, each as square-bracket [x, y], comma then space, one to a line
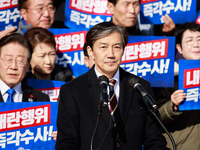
[77, 115]
[30, 94]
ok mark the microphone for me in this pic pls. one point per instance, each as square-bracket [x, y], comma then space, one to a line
[103, 81]
[147, 98]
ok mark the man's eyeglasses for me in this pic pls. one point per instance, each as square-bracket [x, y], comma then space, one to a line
[9, 61]
[191, 41]
[51, 9]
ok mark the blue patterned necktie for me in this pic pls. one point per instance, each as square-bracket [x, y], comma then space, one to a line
[10, 94]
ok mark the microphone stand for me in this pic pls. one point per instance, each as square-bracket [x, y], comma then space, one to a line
[97, 122]
[99, 110]
[169, 135]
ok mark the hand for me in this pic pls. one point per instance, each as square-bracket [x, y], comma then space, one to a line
[54, 135]
[169, 25]
[7, 32]
[177, 97]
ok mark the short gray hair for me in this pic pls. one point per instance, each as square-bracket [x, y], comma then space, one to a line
[102, 30]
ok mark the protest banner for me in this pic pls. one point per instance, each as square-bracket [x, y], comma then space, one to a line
[70, 54]
[152, 58]
[9, 14]
[198, 18]
[83, 14]
[189, 81]
[181, 11]
[49, 87]
[27, 125]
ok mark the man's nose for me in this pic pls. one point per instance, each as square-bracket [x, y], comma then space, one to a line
[46, 12]
[131, 9]
[13, 65]
[110, 52]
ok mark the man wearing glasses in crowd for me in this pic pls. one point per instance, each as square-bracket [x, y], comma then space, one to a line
[38, 13]
[35, 13]
[15, 55]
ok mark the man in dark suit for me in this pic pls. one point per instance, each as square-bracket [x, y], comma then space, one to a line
[15, 55]
[131, 128]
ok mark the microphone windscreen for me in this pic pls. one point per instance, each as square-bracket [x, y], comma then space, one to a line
[103, 78]
[132, 81]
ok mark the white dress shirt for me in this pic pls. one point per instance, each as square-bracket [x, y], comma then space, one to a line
[17, 97]
[117, 84]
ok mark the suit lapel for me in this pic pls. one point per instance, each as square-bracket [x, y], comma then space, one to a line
[94, 91]
[1, 98]
[126, 94]
[125, 99]
[27, 92]
[25, 96]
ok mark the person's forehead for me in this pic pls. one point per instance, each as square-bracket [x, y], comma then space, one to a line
[43, 47]
[33, 3]
[189, 33]
[8, 49]
[103, 40]
[132, 1]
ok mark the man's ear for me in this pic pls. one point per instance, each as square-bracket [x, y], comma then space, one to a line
[86, 61]
[28, 66]
[90, 52]
[24, 14]
[178, 47]
[111, 7]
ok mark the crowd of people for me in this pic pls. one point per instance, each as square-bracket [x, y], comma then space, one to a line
[125, 122]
